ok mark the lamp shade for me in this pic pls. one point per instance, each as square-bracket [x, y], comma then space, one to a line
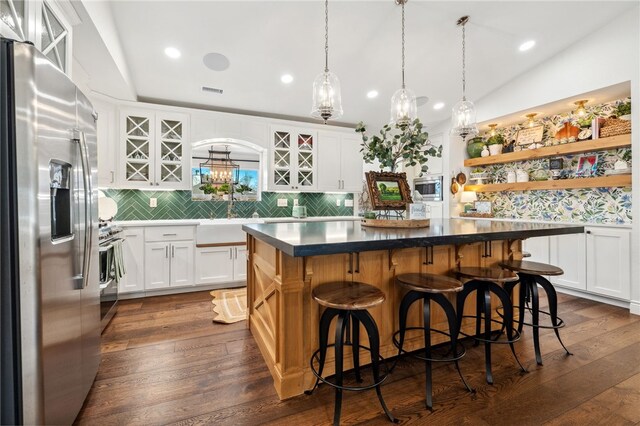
[404, 108]
[327, 100]
[468, 197]
[463, 120]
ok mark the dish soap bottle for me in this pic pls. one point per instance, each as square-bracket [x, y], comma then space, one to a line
[255, 215]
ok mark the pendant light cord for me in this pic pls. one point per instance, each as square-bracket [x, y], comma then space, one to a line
[464, 79]
[326, 36]
[403, 44]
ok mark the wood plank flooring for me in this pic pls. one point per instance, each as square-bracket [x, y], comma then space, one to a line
[165, 362]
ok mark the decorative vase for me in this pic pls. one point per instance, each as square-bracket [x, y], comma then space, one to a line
[522, 176]
[485, 152]
[511, 177]
[474, 147]
[495, 149]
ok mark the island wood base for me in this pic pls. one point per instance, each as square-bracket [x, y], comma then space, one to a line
[283, 317]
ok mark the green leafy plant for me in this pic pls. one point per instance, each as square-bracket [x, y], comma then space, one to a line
[495, 140]
[623, 109]
[408, 145]
[208, 189]
[224, 188]
[242, 188]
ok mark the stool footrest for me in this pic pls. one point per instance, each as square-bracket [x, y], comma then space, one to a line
[383, 377]
[460, 347]
[561, 323]
[516, 334]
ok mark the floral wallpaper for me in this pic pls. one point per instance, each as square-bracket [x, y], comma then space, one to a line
[589, 205]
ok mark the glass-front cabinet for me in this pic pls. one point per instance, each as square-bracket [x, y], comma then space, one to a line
[293, 159]
[154, 150]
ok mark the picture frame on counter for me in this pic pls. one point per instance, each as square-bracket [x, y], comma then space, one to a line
[416, 211]
[483, 207]
[388, 191]
[530, 135]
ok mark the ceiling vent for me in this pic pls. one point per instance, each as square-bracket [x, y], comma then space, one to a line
[212, 90]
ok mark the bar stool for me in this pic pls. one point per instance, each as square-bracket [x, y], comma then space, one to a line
[348, 301]
[430, 287]
[531, 275]
[485, 281]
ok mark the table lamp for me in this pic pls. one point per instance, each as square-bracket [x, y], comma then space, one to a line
[468, 198]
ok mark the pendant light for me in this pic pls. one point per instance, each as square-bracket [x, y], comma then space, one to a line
[403, 102]
[327, 101]
[219, 168]
[463, 114]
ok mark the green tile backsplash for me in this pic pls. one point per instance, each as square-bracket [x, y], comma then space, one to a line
[134, 205]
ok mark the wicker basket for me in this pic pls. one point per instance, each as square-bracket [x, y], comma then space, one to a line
[615, 127]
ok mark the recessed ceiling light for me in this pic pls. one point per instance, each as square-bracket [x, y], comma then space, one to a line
[372, 94]
[172, 52]
[438, 105]
[286, 79]
[527, 45]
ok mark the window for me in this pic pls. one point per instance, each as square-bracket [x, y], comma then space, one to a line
[12, 14]
[54, 38]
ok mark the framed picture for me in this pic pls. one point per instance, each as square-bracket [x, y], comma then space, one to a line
[388, 191]
[483, 207]
[529, 135]
[417, 211]
[587, 165]
[556, 164]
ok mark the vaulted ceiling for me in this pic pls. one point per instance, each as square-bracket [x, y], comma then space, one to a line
[265, 39]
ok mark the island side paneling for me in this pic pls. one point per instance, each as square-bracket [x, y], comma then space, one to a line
[284, 319]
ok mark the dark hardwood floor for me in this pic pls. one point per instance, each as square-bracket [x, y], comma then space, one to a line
[165, 362]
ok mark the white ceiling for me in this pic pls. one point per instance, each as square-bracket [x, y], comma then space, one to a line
[266, 39]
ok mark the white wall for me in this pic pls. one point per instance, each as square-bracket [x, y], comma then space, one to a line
[604, 58]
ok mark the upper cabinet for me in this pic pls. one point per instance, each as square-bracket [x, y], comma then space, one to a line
[41, 22]
[293, 156]
[154, 150]
[340, 162]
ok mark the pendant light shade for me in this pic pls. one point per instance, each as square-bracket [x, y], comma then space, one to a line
[463, 114]
[327, 100]
[403, 107]
[403, 102]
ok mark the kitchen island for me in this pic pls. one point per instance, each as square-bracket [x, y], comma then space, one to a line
[287, 260]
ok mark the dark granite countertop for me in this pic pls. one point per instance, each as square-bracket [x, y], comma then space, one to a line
[317, 238]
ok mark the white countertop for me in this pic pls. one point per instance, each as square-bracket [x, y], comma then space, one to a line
[502, 219]
[234, 221]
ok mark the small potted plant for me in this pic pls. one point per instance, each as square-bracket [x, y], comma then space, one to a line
[623, 111]
[495, 144]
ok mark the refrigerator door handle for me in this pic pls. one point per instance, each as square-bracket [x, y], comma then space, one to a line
[88, 219]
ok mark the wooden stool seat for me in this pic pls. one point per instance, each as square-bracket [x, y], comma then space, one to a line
[531, 268]
[429, 283]
[494, 275]
[347, 295]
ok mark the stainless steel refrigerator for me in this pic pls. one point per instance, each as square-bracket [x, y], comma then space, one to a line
[49, 290]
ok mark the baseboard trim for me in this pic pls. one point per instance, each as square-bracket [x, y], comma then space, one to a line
[595, 297]
[178, 290]
[634, 307]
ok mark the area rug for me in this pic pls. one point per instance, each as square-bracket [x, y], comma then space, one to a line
[229, 305]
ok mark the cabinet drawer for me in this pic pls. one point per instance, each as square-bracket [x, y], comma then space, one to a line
[169, 233]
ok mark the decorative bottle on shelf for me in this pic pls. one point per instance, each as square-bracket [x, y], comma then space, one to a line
[485, 152]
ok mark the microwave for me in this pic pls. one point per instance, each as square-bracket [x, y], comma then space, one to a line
[429, 188]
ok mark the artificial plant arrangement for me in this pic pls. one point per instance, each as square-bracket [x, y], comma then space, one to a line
[397, 145]
[496, 139]
[623, 109]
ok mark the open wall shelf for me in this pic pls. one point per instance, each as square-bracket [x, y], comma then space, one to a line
[576, 183]
[602, 144]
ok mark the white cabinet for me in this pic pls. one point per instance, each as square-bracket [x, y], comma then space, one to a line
[157, 265]
[569, 252]
[107, 143]
[538, 248]
[221, 264]
[154, 149]
[168, 264]
[214, 265]
[292, 164]
[240, 263]
[339, 162]
[609, 262]
[133, 253]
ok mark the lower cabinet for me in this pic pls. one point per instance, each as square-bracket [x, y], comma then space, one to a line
[609, 262]
[133, 253]
[221, 264]
[597, 262]
[569, 253]
[168, 264]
